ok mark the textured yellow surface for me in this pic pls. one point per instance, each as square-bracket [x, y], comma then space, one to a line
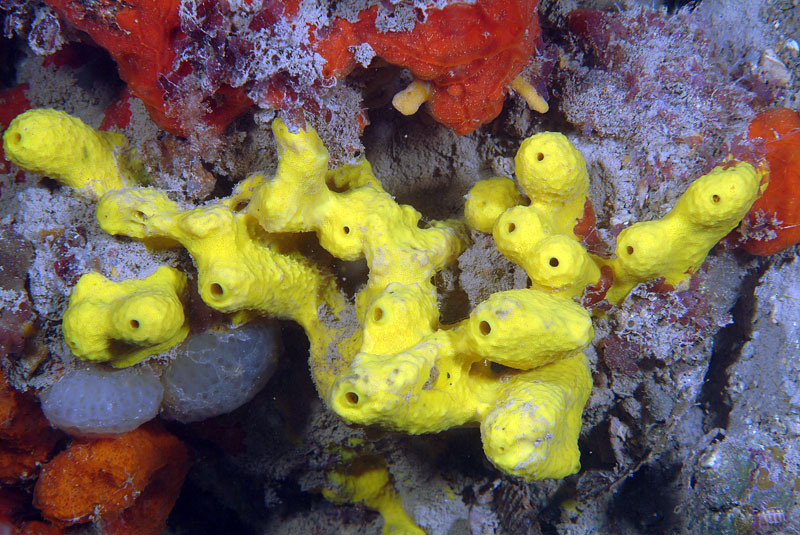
[539, 236]
[366, 480]
[239, 267]
[125, 322]
[66, 149]
[676, 245]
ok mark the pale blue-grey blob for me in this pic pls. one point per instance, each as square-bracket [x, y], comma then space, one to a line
[97, 400]
[218, 371]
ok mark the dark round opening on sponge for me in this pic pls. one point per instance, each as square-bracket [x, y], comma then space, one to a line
[134, 324]
[554, 262]
[484, 327]
[14, 138]
[715, 198]
[511, 227]
[351, 398]
[216, 290]
[629, 249]
[378, 314]
[346, 230]
[540, 156]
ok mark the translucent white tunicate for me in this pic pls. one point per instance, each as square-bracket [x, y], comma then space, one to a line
[98, 400]
[218, 371]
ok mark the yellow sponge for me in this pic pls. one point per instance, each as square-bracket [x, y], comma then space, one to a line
[125, 322]
[68, 150]
[676, 245]
[365, 479]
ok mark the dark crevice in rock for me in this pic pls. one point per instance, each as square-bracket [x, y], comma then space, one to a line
[641, 505]
[597, 452]
[728, 344]
[675, 5]
[199, 512]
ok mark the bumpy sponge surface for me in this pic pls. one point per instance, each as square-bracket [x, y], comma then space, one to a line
[100, 401]
[65, 148]
[219, 371]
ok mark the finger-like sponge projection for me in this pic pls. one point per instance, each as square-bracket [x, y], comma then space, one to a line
[68, 150]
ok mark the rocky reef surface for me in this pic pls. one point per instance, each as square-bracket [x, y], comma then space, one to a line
[693, 424]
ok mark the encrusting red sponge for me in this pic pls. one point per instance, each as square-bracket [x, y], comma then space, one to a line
[470, 54]
[773, 222]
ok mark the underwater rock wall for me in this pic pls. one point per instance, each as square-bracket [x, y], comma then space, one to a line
[692, 425]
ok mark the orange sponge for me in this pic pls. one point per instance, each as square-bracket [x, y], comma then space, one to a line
[129, 483]
[26, 439]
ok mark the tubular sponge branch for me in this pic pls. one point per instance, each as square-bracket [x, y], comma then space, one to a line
[66, 149]
[542, 237]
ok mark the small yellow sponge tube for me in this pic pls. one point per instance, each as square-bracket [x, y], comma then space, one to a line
[487, 201]
[365, 479]
[68, 150]
[552, 173]
[533, 432]
[125, 322]
[524, 329]
[676, 245]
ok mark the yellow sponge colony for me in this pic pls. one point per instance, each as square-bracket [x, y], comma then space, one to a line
[66, 149]
[239, 266]
[533, 432]
[403, 369]
[539, 237]
[125, 322]
[514, 367]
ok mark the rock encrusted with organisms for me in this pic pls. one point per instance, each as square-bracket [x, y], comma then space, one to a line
[198, 64]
